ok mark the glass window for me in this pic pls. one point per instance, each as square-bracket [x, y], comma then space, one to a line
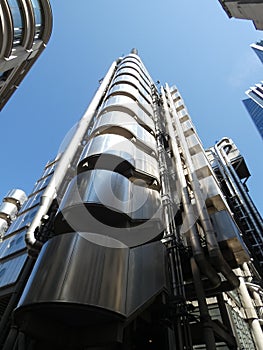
[12, 244]
[49, 169]
[10, 270]
[38, 17]
[41, 183]
[2, 272]
[15, 8]
[22, 220]
[32, 201]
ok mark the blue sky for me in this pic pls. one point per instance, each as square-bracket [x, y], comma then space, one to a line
[192, 44]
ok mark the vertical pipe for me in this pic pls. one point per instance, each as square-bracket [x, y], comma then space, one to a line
[238, 186]
[181, 322]
[194, 239]
[214, 251]
[205, 318]
[251, 314]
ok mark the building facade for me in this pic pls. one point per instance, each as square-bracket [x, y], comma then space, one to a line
[258, 49]
[135, 237]
[254, 102]
[25, 29]
[245, 9]
[254, 106]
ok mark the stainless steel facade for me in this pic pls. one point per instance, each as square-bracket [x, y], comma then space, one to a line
[132, 240]
[25, 29]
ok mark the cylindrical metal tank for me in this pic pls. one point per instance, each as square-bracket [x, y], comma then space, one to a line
[16, 196]
[3, 227]
[8, 211]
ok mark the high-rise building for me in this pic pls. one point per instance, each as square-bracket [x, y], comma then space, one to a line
[25, 29]
[254, 102]
[258, 49]
[135, 237]
[245, 9]
[254, 105]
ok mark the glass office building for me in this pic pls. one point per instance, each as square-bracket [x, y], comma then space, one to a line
[134, 237]
[258, 49]
[25, 29]
[254, 102]
[254, 106]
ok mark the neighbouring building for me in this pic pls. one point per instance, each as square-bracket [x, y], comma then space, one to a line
[245, 9]
[135, 236]
[25, 29]
[258, 49]
[254, 102]
[254, 106]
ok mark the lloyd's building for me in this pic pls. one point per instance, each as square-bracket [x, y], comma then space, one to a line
[134, 237]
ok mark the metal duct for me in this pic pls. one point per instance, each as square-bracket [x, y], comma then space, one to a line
[213, 248]
[203, 263]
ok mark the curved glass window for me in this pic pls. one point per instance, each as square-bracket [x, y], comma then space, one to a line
[16, 10]
[38, 17]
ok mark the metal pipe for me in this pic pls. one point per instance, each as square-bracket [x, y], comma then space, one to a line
[203, 263]
[214, 251]
[251, 314]
[65, 161]
[205, 318]
[237, 184]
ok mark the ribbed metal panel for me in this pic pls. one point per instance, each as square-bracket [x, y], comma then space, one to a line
[116, 153]
[127, 105]
[123, 124]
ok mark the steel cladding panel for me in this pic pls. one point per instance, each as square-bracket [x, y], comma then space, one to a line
[103, 278]
[114, 192]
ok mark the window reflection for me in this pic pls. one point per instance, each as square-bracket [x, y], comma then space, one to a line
[16, 10]
[22, 220]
